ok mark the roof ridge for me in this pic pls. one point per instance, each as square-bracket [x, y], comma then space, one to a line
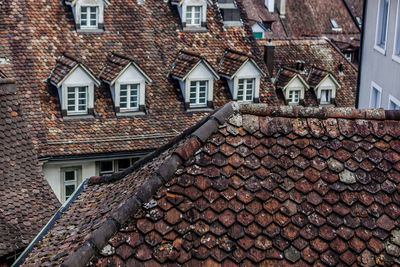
[319, 112]
[99, 238]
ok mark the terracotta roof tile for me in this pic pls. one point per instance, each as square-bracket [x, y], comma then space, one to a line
[202, 215]
[27, 201]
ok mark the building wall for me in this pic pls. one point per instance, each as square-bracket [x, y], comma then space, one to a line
[52, 173]
[376, 67]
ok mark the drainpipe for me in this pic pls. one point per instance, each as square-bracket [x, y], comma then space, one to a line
[360, 55]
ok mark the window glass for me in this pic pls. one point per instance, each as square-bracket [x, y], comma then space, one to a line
[106, 167]
[70, 182]
[89, 16]
[129, 96]
[393, 106]
[382, 23]
[77, 99]
[375, 98]
[198, 92]
[397, 41]
[245, 89]
[334, 23]
[258, 35]
[123, 164]
[294, 96]
[193, 15]
[326, 96]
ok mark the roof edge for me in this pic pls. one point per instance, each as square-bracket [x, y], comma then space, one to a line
[197, 136]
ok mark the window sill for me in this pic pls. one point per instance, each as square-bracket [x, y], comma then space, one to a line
[199, 109]
[380, 50]
[78, 117]
[233, 24]
[396, 58]
[130, 113]
[194, 29]
[95, 30]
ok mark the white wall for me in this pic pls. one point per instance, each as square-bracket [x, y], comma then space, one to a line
[377, 67]
[295, 84]
[131, 76]
[257, 28]
[248, 71]
[201, 73]
[52, 172]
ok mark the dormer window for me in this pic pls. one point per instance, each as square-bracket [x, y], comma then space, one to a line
[75, 85]
[196, 79]
[335, 25]
[193, 13]
[292, 84]
[89, 17]
[243, 75]
[324, 85]
[88, 14]
[127, 84]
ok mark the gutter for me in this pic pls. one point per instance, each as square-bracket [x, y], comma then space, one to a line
[49, 225]
[360, 55]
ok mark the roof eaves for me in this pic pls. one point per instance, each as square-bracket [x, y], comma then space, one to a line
[99, 238]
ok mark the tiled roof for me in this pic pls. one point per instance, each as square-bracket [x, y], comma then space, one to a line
[115, 64]
[355, 7]
[27, 201]
[321, 53]
[257, 12]
[284, 76]
[184, 63]
[232, 61]
[148, 31]
[316, 75]
[248, 185]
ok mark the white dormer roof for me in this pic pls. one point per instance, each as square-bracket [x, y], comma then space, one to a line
[296, 81]
[74, 2]
[328, 81]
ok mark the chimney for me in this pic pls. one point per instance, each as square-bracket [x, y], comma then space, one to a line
[300, 65]
[282, 8]
[269, 56]
[270, 5]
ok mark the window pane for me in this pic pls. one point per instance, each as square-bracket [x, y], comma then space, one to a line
[134, 95]
[83, 16]
[123, 164]
[383, 20]
[69, 176]
[69, 190]
[193, 92]
[106, 166]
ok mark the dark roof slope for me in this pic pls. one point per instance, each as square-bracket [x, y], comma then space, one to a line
[252, 185]
[257, 12]
[148, 31]
[316, 75]
[284, 76]
[321, 53]
[27, 201]
[232, 61]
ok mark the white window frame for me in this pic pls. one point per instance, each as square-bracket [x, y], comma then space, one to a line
[396, 57]
[76, 111]
[294, 90]
[88, 19]
[335, 25]
[129, 103]
[244, 100]
[378, 48]
[348, 56]
[379, 89]
[393, 100]
[197, 102]
[65, 183]
[107, 172]
[192, 20]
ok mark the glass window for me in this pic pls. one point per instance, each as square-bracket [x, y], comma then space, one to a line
[348, 55]
[106, 167]
[70, 182]
[294, 97]
[397, 34]
[89, 16]
[193, 15]
[335, 25]
[123, 164]
[245, 89]
[326, 95]
[77, 99]
[375, 98]
[383, 16]
[258, 35]
[198, 93]
[129, 96]
[393, 105]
